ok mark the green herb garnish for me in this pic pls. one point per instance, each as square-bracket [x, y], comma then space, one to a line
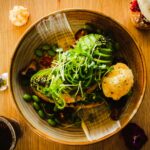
[75, 70]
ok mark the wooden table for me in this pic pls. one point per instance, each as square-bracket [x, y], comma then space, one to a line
[9, 35]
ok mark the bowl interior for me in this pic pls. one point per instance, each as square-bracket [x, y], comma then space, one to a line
[77, 18]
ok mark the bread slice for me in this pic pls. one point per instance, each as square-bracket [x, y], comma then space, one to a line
[71, 104]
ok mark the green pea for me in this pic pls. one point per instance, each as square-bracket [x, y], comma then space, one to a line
[51, 53]
[36, 106]
[41, 114]
[51, 122]
[38, 53]
[35, 98]
[27, 97]
[54, 47]
[46, 47]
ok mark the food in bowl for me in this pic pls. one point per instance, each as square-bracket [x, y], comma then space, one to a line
[47, 30]
[140, 13]
[85, 76]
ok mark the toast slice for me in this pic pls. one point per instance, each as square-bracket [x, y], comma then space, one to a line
[70, 103]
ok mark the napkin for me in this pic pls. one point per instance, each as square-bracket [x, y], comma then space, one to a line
[56, 29]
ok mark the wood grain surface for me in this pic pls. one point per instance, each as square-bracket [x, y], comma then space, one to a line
[9, 35]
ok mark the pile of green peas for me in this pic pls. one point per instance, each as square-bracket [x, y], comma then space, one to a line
[37, 105]
[46, 48]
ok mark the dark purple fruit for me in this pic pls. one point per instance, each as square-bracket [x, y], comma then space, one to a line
[134, 136]
[45, 61]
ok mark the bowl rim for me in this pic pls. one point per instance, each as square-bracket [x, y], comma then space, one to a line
[41, 134]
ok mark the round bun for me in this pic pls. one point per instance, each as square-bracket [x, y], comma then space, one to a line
[137, 16]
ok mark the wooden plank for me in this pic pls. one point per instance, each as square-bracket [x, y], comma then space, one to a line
[9, 35]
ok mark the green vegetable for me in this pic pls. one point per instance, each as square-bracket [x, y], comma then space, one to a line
[38, 53]
[51, 122]
[27, 97]
[36, 106]
[76, 69]
[35, 98]
[54, 47]
[51, 53]
[46, 47]
[55, 109]
[41, 114]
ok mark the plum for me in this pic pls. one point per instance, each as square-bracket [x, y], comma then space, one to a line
[134, 136]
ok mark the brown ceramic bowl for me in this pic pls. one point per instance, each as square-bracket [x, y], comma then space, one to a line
[77, 18]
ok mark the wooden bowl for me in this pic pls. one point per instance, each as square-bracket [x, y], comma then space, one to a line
[77, 18]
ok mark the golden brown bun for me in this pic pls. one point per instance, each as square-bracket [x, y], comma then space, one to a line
[118, 82]
[83, 106]
[137, 20]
